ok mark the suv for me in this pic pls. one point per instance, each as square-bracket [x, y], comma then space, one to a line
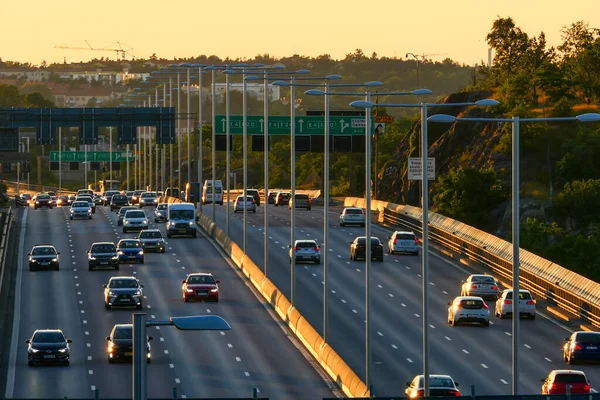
[526, 304]
[468, 309]
[43, 256]
[300, 201]
[581, 346]
[305, 250]
[352, 215]
[148, 199]
[123, 291]
[282, 198]
[103, 254]
[117, 201]
[42, 200]
[557, 381]
[254, 193]
[358, 248]
[403, 242]
[134, 219]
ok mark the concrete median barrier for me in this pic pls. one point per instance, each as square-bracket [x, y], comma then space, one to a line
[269, 291]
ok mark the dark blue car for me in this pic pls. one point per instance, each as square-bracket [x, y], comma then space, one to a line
[129, 251]
[580, 346]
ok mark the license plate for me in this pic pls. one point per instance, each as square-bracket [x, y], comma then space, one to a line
[182, 231]
[472, 315]
[131, 256]
[128, 353]
[305, 256]
[49, 356]
[592, 347]
[45, 263]
[201, 294]
[104, 263]
[124, 300]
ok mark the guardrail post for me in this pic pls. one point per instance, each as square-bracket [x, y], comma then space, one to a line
[255, 393]
[174, 393]
[371, 394]
[96, 394]
[473, 392]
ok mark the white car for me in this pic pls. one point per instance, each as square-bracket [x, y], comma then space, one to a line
[352, 215]
[80, 209]
[466, 309]
[403, 242]
[239, 204]
[306, 250]
[526, 304]
[134, 220]
[148, 199]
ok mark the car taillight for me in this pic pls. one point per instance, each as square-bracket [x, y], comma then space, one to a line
[419, 393]
[554, 386]
[531, 302]
[586, 387]
[494, 287]
[576, 347]
[507, 302]
[416, 242]
[473, 286]
[457, 393]
[296, 248]
[485, 305]
[394, 241]
[362, 211]
[309, 200]
[317, 248]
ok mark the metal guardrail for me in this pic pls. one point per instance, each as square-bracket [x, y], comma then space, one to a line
[5, 224]
[31, 188]
[567, 290]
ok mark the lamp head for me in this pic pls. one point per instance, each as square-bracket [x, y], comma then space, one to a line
[303, 71]
[421, 92]
[373, 84]
[333, 77]
[314, 92]
[362, 104]
[280, 83]
[279, 66]
[487, 103]
[444, 118]
[229, 71]
[588, 117]
[197, 65]
[185, 65]
[258, 65]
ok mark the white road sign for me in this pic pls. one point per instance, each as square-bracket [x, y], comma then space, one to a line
[415, 169]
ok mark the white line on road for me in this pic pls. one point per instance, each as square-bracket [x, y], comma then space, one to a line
[247, 373]
[93, 388]
[166, 351]
[432, 327]
[443, 291]
[526, 345]
[547, 359]
[238, 359]
[343, 301]
[89, 358]
[153, 317]
[465, 351]
[87, 333]
[380, 334]
[447, 338]
[333, 291]
[391, 295]
[85, 321]
[409, 360]
[380, 287]
[417, 315]
[171, 366]
[177, 380]
[91, 372]
[222, 333]
[394, 346]
[354, 311]
[503, 381]
[508, 333]
[484, 366]
[88, 345]
[230, 345]
[403, 305]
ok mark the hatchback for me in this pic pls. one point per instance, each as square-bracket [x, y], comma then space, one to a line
[358, 248]
[239, 204]
[403, 242]
[557, 381]
[526, 304]
[306, 250]
[117, 201]
[582, 346]
[148, 199]
[134, 220]
[439, 385]
[200, 286]
[300, 200]
[130, 250]
[80, 209]
[255, 194]
[48, 346]
[43, 256]
[152, 240]
[352, 215]
[466, 309]
[120, 344]
[123, 291]
[121, 213]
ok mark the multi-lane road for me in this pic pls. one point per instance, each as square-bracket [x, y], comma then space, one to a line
[473, 355]
[256, 353]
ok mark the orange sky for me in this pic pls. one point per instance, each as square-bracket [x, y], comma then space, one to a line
[437, 28]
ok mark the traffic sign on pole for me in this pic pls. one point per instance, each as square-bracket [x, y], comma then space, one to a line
[80, 156]
[383, 118]
[304, 125]
[415, 169]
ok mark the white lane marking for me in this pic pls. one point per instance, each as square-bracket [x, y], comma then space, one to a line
[348, 262]
[432, 284]
[443, 291]
[380, 287]
[183, 396]
[208, 310]
[409, 360]
[314, 274]
[177, 380]
[93, 388]
[419, 275]
[158, 328]
[88, 345]
[85, 321]
[87, 333]
[407, 267]
[178, 260]
[526, 345]
[247, 373]
[508, 333]
[417, 315]
[432, 327]
[357, 269]
[333, 291]
[153, 317]
[91, 372]
[171, 366]
[162, 339]
[78, 293]
[403, 305]
[354, 311]
[173, 253]
[230, 345]
[380, 334]
[238, 359]
[484, 366]
[222, 333]
[343, 301]
[74, 263]
[339, 256]
[74, 269]
[148, 306]
[465, 351]
[391, 295]
[83, 311]
[89, 358]
[394, 346]
[80, 302]
[503, 381]
[145, 298]
[77, 284]
[447, 338]
[166, 351]
[547, 359]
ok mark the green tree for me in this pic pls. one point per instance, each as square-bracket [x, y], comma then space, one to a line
[36, 100]
[10, 96]
[581, 200]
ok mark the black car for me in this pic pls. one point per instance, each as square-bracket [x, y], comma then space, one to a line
[103, 255]
[62, 200]
[43, 256]
[120, 344]
[135, 198]
[282, 198]
[123, 291]
[271, 198]
[358, 248]
[107, 196]
[117, 201]
[42, 200]
[23, 199]
[121, 213]
[48, 346]
[254, 193]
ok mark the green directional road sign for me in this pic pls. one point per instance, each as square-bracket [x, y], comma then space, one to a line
[80, 156]
[280, 125]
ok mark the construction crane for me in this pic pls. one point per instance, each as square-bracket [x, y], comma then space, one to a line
[120, 51]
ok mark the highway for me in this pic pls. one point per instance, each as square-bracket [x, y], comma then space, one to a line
[256, 352]
[473, 355]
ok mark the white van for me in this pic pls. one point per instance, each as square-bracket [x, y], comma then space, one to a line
[85, 192]
[207, 192]
[181, 220]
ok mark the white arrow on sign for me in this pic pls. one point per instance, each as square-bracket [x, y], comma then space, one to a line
[224, 121]
[262, 125]
[301, 122]
[343, 125]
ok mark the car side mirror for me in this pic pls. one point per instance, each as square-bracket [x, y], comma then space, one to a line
[105, 286]
[457, 384]
[69, 341]
[107, 338]
[218, 281]
[27, 341]
[58, 252]
[150, 338]
[141, 286]
[28, 254]
[183, 281]
[408, 384]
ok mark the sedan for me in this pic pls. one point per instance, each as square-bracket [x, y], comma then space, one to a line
[62, 200]
[271, 198]
[42, 200]
[152, 240]
[582, 346]
[121, 214]
[480, 285]
[89, 200]
[48, 346]
[352, 215]
[123, 291]
[239, 204]
[117, 201]
[120, 344]
[358, 248]
[80, 209]
[526, 304]
[130, 250]
[200, 286]
[103, 254]
[305, 250]
[439, 385]
[465, 309]
[134, 220]
[160, 212]
[43, 256]
[282, 198]
[557, 381]
[148, 199]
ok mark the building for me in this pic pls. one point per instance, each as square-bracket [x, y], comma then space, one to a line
[254, 90]
[36, 75]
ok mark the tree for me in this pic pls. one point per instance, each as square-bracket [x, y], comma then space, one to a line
[36, 100]
[10, 96]
[581, 200]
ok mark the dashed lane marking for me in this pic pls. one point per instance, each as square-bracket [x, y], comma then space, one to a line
[247, 373]
[409, 360]
[230, 345]
[484, 366]
[354, 311]
[465, 351]
[177, 380]
[380, 334]
[91, 372]
[547, 359]
[166, 351]
[503, 381]
[238, 359]
[394, 346]
[447, 338]
[88, 345]
[526, 345]
[89, 358]
[171, 366]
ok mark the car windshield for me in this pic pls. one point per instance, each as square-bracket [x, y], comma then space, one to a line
[138, 192]
[123, 333]
[438, 382]
[301, 196]
[306, 244]
[43, 251]
[588, 337]
[129, 193]
[144, 195]
[129, 244]
[26, 196]
[162, 207]
[135, 214]
[570, 378]
[522, 295]
[43, 197]
[119, 197]
[48, 337]
[181, 214]
[103, 248]
[86, 199]
[201, 279]
[405, 236]
[362, 240]
[83, 204]
[285, 195]
[483, 279]
[471, 304]
[150, 234]
[123, 284]
[123, 210]
[353, 211]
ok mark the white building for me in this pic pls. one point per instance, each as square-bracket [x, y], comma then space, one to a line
[254, 90]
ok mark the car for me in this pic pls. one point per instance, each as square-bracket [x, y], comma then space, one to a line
[271, 197]
[152, 240]
[123, 291]
[130, 250]
[43, 256]
[97, 199]
[107, 196]
[557, 381]
[481, 285]
[282, 198]
[160, 212]
[62, 200]
[85, 192]
[117, 201]
[51, 194]
[403, 242]
[526, 304]
[200, 286]
[239, 204]
[160, 193]
[121, 214]
[148, 199]
[24, 199]
[581, 346]
[255, 195]
[358, 248]
[135, 199]
[134, 220]
[48, 346]
[80, 209]
[129, 195]
[172, 192]
[181, 219]
[72, 198]
[306, 250]
[89, 200]
[300, 200]
[104, 255]
[439, 386]
[468, 309]
[120, 344]
[53, 200]
[352, 215]
[42, 200]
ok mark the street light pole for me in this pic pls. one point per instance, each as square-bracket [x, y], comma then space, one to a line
[214, 139]
[179, 140]
[176, 125]
[200, 137]
[293, 184]
[227, 142]
[189, 135]
[368, 241]
[266, 163]
[110, 156]
[326, 219]
[425, 255]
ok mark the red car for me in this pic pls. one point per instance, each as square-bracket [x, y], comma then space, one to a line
[557, 380]
[200, 286]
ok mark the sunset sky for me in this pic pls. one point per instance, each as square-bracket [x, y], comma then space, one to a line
[438, 29]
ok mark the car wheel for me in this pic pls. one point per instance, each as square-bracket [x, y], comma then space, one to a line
[124, 230]
[90, 217]
[117, 267]
[235, 211]
[500, 315]
[155, 220]
[194, 234]
[139, 306]
[148, 360]
[486, 323]
[30, 363]
[142, 261]
[110, 360]
[50, 207]
[71, 218]
[318, 262]
[532, 316]
[308, 209]
[57, 268]
[93, 211]
[453, 322]
[185, 299]
[570, 360]
[106, 306]
[342, 224]
[31, 267]
[90, 267]
[168, 235]
[254, 211]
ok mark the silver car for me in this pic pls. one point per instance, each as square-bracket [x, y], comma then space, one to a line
[152, 240]
[465, 309]
[239, 204]
[403, 242]
[80, 209]
[480, 285]
[526, 304]
[148, 199]
[306, 250]
[160, 212]
[352, 215]
[134, 220]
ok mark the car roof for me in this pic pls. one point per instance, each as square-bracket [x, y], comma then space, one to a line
[405, 232]
[352, 208]
[306, 240]
[566, 371]
[48, 330]
[150, 230]
[123, 277]
[468, 298]
[436, 376]
[520, 291]
[200, 274]
[129, 240]
[102, 243]
[122, 326]
[43, 245]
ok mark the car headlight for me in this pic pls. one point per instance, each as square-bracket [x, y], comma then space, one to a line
[54, 259]
[72, 211]
[172, 223]
[92, 258]
[189, 290]
[63, 350]
[120, 253]
[137, 294]
[33, 350]
[115, 257]
[144, 222]
[111, 293]
[215, 290]
[141, 252]
[191, 223]
[126, 222]
[33, 260]
[37, 202]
